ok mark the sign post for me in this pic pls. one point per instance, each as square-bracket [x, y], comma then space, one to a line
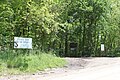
[73, 49]
[22, 43]
[102, 47]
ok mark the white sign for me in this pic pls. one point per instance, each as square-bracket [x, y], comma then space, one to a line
[102, 47]
[25, 43]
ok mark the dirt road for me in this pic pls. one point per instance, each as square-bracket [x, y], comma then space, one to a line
[78, 69]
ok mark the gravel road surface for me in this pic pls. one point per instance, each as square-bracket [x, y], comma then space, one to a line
[77, 69]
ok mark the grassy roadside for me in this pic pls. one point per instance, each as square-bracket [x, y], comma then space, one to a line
[10, 63]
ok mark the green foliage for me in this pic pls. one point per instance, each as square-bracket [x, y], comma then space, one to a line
[53, 24]
[12, 62]
[44, 61]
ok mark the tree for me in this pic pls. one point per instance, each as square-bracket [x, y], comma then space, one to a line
[54, 24]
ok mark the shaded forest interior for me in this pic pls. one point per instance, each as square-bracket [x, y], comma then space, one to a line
[71, 28]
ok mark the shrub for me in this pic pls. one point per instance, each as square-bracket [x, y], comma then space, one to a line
[29, 63]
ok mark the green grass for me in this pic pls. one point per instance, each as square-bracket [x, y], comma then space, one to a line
[12, 62]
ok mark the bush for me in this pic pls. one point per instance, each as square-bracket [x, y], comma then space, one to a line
[31, 62]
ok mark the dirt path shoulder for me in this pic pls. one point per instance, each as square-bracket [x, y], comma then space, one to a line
[74, 65]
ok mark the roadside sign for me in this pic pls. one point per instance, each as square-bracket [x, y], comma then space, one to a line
[24, 43]
[73, 46]
[102, 47]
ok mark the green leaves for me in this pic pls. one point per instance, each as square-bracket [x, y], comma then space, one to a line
[50, 22]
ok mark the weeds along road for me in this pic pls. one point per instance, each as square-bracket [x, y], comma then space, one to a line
[80, 69]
